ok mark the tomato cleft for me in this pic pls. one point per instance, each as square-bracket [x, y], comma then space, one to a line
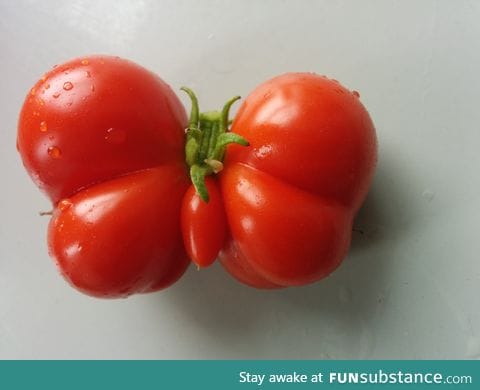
[203, 217]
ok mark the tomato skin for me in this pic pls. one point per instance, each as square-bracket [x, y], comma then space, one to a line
[104, 139]
[310, 132]
[291, 196]
[122, 236]
[203, 224]
[288, 236]
[95, 118]
[234, 261]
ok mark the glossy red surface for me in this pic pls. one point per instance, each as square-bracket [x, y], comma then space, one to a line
[104, 138]
[95, 118]
[291, 196]
[203, 224]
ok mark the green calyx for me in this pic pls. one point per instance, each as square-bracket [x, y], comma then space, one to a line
[207, 138]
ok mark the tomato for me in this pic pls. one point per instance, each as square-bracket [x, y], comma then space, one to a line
[104, 139]
[203, 224]
[138, 190]
[291, 197]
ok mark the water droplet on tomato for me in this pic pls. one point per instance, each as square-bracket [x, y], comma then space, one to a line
[116, 136]
[67, 86]
[71, 251]
[40, 101]
[85, 62]
[356, 93]
[33, 91]
[54, 152]
[47, 86]
[263, 151]
[51, 137]
[88, 74]
[64, 205]
[92, 88]
[36, 113]
[44, 77]
[43, 126]
[56, 95]
[68, 104]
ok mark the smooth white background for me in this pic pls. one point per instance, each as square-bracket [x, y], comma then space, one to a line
[410, 286]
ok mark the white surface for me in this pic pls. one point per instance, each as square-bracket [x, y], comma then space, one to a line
[410, 286]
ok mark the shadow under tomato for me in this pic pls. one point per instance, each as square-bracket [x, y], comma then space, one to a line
[314, 321]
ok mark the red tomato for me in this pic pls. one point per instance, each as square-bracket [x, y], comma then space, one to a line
[104, 138]
[203, 224]
[291, 196]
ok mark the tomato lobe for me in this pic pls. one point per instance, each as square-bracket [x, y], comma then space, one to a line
[96, 121]
[203, 224]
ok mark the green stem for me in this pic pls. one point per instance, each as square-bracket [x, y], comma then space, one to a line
[206, 141]
[225, 112]
[225, 139]
[194, 135]
[213, 137]
[194, 113]
[197, 175]
[206, 129]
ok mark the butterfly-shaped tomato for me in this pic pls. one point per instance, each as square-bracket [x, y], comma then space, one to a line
[138, 189]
